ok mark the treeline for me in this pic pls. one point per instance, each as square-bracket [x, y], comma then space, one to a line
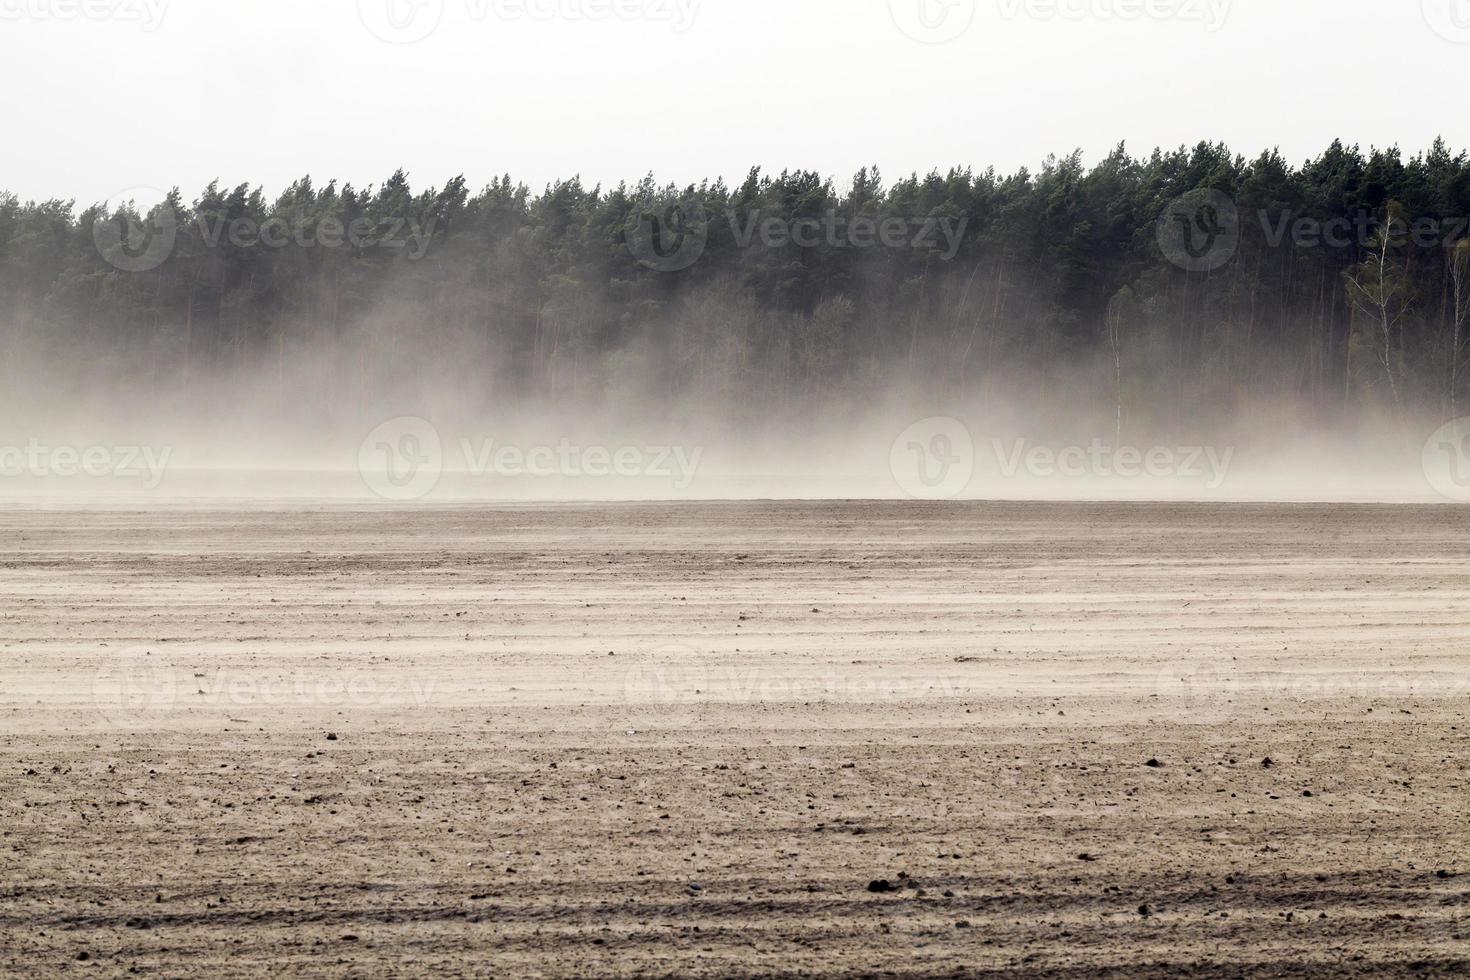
[1182, 283]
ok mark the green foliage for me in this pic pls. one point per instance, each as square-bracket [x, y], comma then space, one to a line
[1055, 268]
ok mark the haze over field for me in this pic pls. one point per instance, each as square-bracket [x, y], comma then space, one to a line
[215, 441]
[1187, 323]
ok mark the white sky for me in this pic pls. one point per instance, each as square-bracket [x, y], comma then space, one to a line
[267, 90]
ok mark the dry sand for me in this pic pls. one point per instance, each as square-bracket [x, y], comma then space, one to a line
[683, 740]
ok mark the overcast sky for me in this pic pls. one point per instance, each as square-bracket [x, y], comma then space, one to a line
[104, 95]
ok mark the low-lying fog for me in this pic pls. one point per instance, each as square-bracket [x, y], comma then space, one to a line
[334, 428]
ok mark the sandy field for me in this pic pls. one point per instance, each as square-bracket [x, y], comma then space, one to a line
[859, 739]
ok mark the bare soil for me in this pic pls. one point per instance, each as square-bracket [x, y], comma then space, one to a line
[858, 739]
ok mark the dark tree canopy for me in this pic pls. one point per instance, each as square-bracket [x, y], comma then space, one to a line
[1347, 286]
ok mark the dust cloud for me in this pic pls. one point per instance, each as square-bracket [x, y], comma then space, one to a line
[364, 421]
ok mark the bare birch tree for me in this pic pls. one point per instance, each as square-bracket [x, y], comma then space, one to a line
[1460, 284]
[1376, 287]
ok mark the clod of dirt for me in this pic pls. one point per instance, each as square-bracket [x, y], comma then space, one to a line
[1144, 911]
[1154, 764]
[881, 886]
[962, 924]
[1267, 762]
